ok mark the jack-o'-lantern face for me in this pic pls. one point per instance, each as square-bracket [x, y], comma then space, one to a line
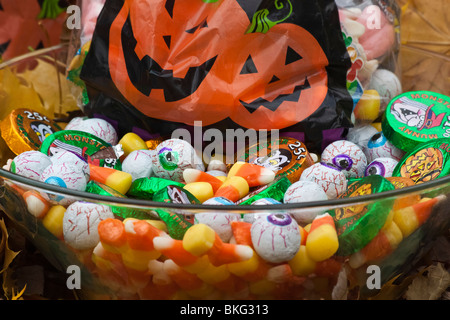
[187, 61]
[426, 165]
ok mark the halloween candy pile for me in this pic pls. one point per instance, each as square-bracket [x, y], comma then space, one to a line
[166, 252]
[146, 216]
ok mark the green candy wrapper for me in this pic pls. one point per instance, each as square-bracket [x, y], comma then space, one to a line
[426, 162]
[275, 190]
[145, 188]
[123, 212]
[177, 224]
[175, 194]
[357, 225]
[82, 143]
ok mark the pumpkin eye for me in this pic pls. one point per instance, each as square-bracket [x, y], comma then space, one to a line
[202, 24]
[249, 66]
[169, 7]
[292, 56]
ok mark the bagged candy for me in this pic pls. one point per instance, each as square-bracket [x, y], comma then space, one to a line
[160, 65]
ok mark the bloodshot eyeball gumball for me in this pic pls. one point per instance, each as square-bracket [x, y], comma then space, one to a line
[98, 127]
[382, 166]
[138, 163]
[172, 157]
[276, 237]
[30, 164]
[80, 224]
[328, 176]
[304, 191]
[347, 156]
[380, 147]
[219, 221]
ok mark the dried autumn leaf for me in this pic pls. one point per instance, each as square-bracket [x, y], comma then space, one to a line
[430, 286]
[54, 92]
[425, 45]
[8, 256]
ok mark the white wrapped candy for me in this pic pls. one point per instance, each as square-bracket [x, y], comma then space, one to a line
[138, 163]
[387, 84]
[172, 157]
[329, 177]
[80, 224]
[304, 191]
[347, 156]
[219, 221]
[65, 175]
[380, 147]
[382, 166]
[98, 127]
[361, 135]
[276, 237]
[71, 158]
[30, 164]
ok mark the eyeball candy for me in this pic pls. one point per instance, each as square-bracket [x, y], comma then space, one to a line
[361, 135]
[218, 201]
[329, 177]
[219, 222]
[65, 176]
[347, 156]
[98, 127]
[172, 157]
[387, 84]
[276, 237]
[80, 224]
[139, 164]
[380, 147]
[252, 217]
[382, 166]
[73, 159]
[30, 164]
[304, 191]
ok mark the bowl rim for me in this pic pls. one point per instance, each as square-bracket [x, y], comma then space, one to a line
[154, 205]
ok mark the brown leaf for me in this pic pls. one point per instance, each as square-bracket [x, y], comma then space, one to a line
[430, 285]
[425, 45]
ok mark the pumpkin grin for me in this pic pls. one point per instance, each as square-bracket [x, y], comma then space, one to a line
[275, 103]
[146, 74]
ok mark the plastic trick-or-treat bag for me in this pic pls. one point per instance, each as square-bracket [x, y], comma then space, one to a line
[157, 65]
[371, 31]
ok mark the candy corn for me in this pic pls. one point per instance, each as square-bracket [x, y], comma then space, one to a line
[53, 221]
[173, 249]
[322, 241]
[112, 235]
[194, 175]
[201, 239]
[201, 190]
[37, 205]
[410, 218]
[233, 188]
[380, 246]
[302, 264]
[254, 174]
[116, 179]
[241, 232]
[140, 251]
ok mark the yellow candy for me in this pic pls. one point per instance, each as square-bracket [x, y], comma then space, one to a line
[242, 268]
[302, 264]
[131, 142]
[406, 220]
[53, 221]
[138, 259]
[199, 239]
[262, 287]
[201, 190]
[368, 107]
[322, 241]
[213, 275]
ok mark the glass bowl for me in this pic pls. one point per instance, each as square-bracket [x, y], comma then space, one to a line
[105, 273]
